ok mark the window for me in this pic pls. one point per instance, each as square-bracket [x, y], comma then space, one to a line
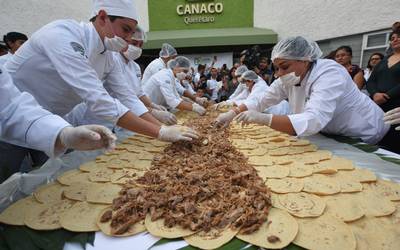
[373, 42]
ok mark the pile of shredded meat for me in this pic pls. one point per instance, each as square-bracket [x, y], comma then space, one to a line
[201, 185]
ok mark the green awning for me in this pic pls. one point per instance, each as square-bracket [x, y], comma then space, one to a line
[210, 37]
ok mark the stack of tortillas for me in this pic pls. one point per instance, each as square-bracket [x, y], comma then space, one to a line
[320, 201]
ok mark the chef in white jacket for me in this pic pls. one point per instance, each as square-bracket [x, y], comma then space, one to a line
[161, 87]
[59, 67]
[13, 41]
[321, 94]
[24, 123]
[166, 54]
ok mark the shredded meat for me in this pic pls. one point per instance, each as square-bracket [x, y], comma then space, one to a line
[200, 185]
[106, 216]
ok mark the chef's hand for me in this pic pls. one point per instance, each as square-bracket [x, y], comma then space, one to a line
[224, 119]
[87, 137]
[198, 109]
[176, 133]
[224, 104]
[251, 116]
[380, 98]
[158, 107]
[201, 100]
[164, 117]
[392, 117]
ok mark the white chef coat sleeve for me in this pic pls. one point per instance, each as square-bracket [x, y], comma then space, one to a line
[274, 95]
[119, 86]
[181, 90]
[320, 107]
[253, 101]
[168, 91]
[68, 56]
[24, 122]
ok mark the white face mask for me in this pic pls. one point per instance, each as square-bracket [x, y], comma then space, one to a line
[181, 76]
[290, 80]
[116, 43]
[133, 52]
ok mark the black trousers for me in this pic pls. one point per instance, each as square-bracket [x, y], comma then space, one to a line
[18, 159]
[391, 141]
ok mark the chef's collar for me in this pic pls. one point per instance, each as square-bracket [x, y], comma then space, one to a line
[95, 42]
[305, 79]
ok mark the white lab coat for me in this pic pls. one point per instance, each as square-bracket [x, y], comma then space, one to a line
[161, 89]
[327, 100]
[151, 69]
[5, 58]
[23, 122]
[59, 67]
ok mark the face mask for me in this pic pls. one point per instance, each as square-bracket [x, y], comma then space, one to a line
[181, 76]
[290, 80]
[133, 52]
[116, 43]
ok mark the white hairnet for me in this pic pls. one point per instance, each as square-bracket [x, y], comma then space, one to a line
[296, 48]
[239, 71]
[167, 50]
[122, 8]
[179, 62]
[250, 75]
[139, 35]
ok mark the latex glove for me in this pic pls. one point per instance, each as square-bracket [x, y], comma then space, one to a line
[392, 117]
[87, 137]
[198, 109]
[201, 100]
[224, 104]
[176, 133]
[225, 119]
[158, 107]
[164, 117]
[251, 116]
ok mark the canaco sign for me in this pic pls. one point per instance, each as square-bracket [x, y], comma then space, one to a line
[199, 14]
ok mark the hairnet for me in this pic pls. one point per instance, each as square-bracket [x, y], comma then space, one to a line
[296, 48]
[250, 75]
[167, 50]
[139, 35]
[179, 62]
[239, 71]
[122, 8]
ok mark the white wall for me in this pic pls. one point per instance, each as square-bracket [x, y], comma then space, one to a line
[323, 19]
[29, 15]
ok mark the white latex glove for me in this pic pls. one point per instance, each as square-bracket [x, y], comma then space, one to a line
[251, 116]
[201, 100]
[158, 107]
[392, 117]
[225, 119]
[198, 109]
[164, 117]
[176, 133]
[87, 137]
[224, 104]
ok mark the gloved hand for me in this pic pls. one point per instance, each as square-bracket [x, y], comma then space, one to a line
[201, 100]
[164, 117]
[186, 99]
[225, 119]
[158, 107]
[176, 133]
[87, 137]
[251, 116]
[392, 117]
[224, 104]
[198, 109]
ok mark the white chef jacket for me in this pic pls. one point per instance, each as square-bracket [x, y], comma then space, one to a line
[179, 88]
[212, 84]
[56, 67]
[155, 66]
[5, 58]
[23, 122]
[327, 100]
[161, 89]
[240, 94]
